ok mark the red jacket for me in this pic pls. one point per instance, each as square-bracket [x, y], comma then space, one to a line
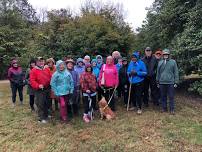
[40, 76]
[88, 82]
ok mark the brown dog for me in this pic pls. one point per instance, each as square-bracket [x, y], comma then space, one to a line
[105, 110]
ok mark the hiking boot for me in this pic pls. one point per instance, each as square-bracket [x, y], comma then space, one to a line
[139, 111]
[86, 119]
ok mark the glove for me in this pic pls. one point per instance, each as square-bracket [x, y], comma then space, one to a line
[133, 73]
[157, 83]
[88, 91]
[175, 85]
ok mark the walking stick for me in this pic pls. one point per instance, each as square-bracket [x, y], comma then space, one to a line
[129, 95]
[90, 107]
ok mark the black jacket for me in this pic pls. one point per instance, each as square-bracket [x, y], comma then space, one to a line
[151, 64]
[123, 76]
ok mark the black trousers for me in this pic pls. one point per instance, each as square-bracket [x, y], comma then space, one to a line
[107, 93]
[155, 93]
[42, 100]
[31, 101]
[86, 103]
[125, 91]
[14, 88]
[136, 94]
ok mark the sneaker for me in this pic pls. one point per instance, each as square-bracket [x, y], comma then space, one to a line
[21, 103]
[42, 121]
[139, 111]
[13, 105]
[86, 119]
[172, 112]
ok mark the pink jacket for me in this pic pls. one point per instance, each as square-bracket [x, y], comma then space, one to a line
[110, 75]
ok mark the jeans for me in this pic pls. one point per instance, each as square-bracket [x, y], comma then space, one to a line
[167, 90]
[14, 88]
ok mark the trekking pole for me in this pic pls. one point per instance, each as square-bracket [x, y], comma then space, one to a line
[90, 106]
[129, 93]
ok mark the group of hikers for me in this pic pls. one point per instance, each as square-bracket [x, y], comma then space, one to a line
[151, 76]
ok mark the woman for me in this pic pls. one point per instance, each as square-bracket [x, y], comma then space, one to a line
[88, 87]
[63, 86]
[50, 63]
[76, 94]
[30, 90]
[123, 80]
[137, 72]
[16, 78]
[108, 80]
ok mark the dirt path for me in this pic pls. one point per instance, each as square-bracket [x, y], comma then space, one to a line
[4, 81]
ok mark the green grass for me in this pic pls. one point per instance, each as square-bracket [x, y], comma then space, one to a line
[151, 132]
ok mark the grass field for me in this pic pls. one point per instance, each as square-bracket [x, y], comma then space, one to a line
[150, 132]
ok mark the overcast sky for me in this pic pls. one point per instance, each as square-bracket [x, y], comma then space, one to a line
[135, 9]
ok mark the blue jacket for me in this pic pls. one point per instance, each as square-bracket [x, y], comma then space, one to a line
[96, 70]
[140, 68]
[61, 81]
[118, 66]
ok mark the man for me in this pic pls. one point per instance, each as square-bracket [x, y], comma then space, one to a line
[150, 79]
[136, 72]
[40, 81]
[167, 78]
[116, 55]
[86, 60]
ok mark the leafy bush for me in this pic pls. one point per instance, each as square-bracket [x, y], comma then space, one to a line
[196, 87]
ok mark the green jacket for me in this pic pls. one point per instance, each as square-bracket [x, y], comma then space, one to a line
[167, 73]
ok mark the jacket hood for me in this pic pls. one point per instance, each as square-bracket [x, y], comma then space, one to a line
[93, 60]
[58, 63]
[79, 60]
[99, 56]
[136, 55]
[14, 61]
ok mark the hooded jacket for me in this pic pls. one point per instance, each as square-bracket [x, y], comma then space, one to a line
[62, 82]
[139, 67]
[88, 81]
[79, 69]
[96, 70]
[110, 75]
[99, 65]
[15, 75]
